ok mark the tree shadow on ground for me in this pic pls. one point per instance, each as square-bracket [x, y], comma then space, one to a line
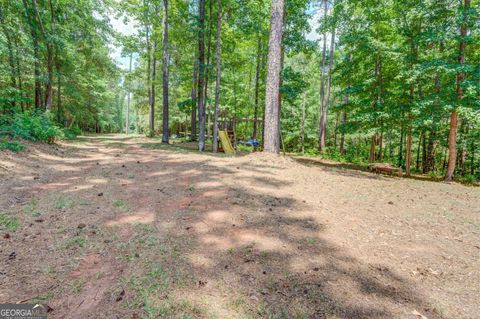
[202, 239]
[263, 255]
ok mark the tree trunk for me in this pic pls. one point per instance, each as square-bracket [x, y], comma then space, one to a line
[165, 135]
[59, 99]
[207, 69]
[408, 155]
[201, 76]
[302, 133]
[235, 112]
[323, 118]
[460, 77]
[371, 157]
[36, 57]
[49, 86]
[49, 46]
[11, 59]
[264, 61]
[335, 130]
[272, 129]
[400, 151]
[342, 138]
[420, 140]
[19, 74]
[193, 96]
[127, 115]
[472, 159]
[257, 86]
[151, 113]
[322, 79]
[152, 91]
[380, 146]
[218, 75]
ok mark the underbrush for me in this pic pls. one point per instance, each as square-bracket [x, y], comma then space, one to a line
[34, 126]
[13, 146]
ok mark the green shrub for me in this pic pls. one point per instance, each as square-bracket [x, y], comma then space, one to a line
[13, 146]
[71, 132]
[30, 125]
[469, 179]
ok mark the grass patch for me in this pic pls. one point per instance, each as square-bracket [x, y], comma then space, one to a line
[311, 241]
[120, 204]
[49, 270]
[31, 209]
[182, 308]
[13, 146]
[99, 275]
[77, 286]
[84, 202]
[8, 222]
[73, 242]
[43, 297]
[149, 292]
[63, 202]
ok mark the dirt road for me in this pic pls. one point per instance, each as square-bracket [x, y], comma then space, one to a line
[117, 227]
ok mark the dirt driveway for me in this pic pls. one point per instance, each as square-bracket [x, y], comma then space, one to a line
[113, 226]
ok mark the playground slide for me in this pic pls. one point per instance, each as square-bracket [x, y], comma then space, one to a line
[226, 143]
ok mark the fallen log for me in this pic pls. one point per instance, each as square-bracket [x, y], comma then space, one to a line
[384, 168]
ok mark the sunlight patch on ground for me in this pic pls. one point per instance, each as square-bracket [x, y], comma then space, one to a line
[200, 260]
[136, 218]
[78, 188]
[243, 238]
[51, 186]
[98, 180]
[156, 174]
[218, 216]
[209, 184]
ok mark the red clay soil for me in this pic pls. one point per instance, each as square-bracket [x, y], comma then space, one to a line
[122, 227]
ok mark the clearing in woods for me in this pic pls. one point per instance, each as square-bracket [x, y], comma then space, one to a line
[113, 226]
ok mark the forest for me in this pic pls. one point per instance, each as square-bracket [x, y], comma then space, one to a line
[359, 81]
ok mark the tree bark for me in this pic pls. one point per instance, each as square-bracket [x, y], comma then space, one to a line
[193, 97]
[36, 63]
[371, 157]
[400, 151]
[272, 129]
[380, 146]
[420, 140]
[127, 115]
[19, 74]
[454, 115]
[49, 46]
[201, 76]
[151, 113]
[257, 86]
[302, 133]
[165, 135]
[342, 138]
[207, 69]
[322, 78]
[324, 113]
[59, 99]
[11, 59]
[408, 155]
[218, 75]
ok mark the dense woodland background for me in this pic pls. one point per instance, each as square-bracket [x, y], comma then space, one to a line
[387, 81]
